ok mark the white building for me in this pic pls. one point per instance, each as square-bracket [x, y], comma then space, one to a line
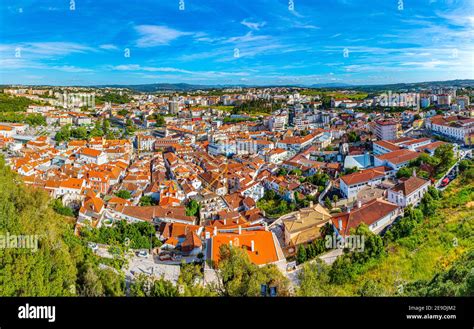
[455, 127]
[396, 159]
[408, 192]
[386, 129]
[351, 184]
[88, 155]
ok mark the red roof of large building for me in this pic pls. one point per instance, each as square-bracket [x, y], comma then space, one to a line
[399, 156]
[365, 175]
[265, 248]
[368, 213]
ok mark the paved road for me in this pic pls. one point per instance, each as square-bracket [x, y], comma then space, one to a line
[463, 155]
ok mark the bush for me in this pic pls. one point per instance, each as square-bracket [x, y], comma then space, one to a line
[124, 194]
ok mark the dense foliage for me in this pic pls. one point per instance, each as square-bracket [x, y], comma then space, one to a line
[274, 205]
[458, 280]
[124, 194]
[192, 208]
[17, 117]
[240, 277]
[135, 235]
[100, 129]
[114, 98]
[428, 252]
[441, 161]
[62, 265]
[14, 103]
[61, 209]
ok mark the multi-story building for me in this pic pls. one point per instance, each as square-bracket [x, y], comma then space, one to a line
[444, 99]
[408, 192]
[396, 159]
[386, 129]
[353, 183]
[455, 127]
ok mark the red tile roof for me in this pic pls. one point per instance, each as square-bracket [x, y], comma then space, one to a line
[368, 213]
[365, 175]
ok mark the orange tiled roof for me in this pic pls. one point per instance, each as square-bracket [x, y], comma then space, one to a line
[265, 251]
[368, 213]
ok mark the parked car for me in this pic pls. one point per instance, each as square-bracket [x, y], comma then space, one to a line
[142, 254]
[93, 246]
[164, 257]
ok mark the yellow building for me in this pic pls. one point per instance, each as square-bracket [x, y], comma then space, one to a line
[304, 225]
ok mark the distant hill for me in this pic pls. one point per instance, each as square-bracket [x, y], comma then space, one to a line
[331, 85]
[154, 87]
[180, 87]
[417, 85]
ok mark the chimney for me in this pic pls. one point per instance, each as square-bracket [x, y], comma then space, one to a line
[225, 221]
[240, 229]
[359, 203]
[230, 243]
[215, 230]
[340, 224]
[252, 246]
[311, 205]
[414, 172]
[298, 216]
[266, 226]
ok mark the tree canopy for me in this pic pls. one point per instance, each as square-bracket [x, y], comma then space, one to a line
[240, 277]
[62, 265]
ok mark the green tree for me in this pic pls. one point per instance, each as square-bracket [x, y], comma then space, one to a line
[61, 265]
[79, 133]
[327, 203]
[240, 277]
[146, 200]
[314, 280]
[404, 172]
[301, 254]
[353, 137]
[144, 286]
[106, 126]
[124, 194]
[58, 207]
[296, 172]
[282, 172]
[190, 279]
[445, 154]
[192, 208]
[64, 134]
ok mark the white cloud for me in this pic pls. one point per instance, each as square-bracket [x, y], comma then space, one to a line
[253, 26]
[154, 35]
[108, 47]
[249, 37]
[46, 49]
[71, 69]
[136, 67]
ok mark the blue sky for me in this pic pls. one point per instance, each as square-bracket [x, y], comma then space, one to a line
[235, 41]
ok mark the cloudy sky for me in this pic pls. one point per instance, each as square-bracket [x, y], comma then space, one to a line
[85, 42]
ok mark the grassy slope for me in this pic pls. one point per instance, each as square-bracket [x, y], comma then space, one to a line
[433, 246]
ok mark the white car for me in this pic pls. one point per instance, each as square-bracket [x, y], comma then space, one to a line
[142, 254]
[93, 246]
